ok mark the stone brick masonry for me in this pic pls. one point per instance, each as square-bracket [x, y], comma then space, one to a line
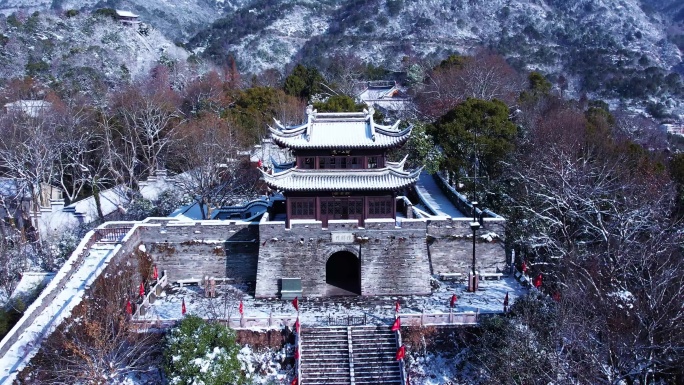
[395, 257]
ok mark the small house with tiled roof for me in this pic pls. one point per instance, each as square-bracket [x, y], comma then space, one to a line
[341, 169]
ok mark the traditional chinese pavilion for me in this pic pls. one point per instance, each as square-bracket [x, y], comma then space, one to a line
[341, 169]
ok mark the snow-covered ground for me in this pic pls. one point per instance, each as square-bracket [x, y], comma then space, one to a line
[315, 311]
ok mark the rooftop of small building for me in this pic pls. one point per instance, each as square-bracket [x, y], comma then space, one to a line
[340, 130]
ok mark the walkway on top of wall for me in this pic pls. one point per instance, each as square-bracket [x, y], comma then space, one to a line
[433, 197]
[54, 305]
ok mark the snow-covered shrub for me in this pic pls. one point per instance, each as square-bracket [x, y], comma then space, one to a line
[167, 202]
[200, 352]
[139, 209]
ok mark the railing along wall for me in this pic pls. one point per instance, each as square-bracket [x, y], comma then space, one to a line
[298, 360]
[402, 363]
[444, 319]
[272, 321]
[155, 289]
[280, 321]
[111, 234]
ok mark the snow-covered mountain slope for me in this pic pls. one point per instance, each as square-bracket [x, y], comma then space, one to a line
[81, 53]
[550, 35]
[622, 48]
[177, 19]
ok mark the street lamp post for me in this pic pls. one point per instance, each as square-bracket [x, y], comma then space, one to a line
[474, 225]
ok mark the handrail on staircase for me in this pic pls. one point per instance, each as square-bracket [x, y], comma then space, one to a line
[298, 346]
[402, 368]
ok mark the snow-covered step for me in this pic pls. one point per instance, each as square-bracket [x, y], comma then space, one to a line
[325, 356]
[374, 350]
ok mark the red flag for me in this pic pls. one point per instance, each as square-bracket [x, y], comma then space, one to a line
[129, 308]
[524, 267]
[296, 354]
[295, 303]
[260, 163]
[453, 300]
[297, 325]
[155, 273]
[183, 310]
[240, 308]
[142, 289]
[396, 307]
[538, 281]
[396, 325]
[506, 300]
[401, 352]
[294, 381]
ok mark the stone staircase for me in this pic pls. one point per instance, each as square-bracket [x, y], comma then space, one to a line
[373, 354]
[349, 356]
[325, 356]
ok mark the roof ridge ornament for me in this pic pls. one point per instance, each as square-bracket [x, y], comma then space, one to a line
[310, 116]
[369, 115]
[279, 124]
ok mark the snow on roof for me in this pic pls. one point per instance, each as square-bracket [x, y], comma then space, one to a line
[340, 130]
[29, 282]
[296, 179]
[432, 197]
[381, 91]
[272, 155]
[155, 185]
[110, 200]
[32, 108]
[122, 13]
[9, 187]
[190, 212]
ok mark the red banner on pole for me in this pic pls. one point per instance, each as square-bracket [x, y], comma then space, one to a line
[294, 381]
[396, 325]
[401, 353]
[453, 300]
[538, 281]
[155, 273]
[396, 307]
[524, 267]
[295, 303]
[183, 310]
[240, 308]
[129, 308]
[142, 289]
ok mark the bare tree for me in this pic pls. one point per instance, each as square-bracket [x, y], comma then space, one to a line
[149, 117]
[485, 76]
[80, 158]
[98, 344]
[213, 170]
[591, 211]
[28, 151]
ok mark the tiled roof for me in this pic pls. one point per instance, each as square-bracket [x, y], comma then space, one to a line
[342, 131]
[296, 179]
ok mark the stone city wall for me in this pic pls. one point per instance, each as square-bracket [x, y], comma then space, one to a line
[222, 249]
[451, 245]
[393, 259]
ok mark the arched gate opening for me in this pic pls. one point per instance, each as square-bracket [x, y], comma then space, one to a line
[343, 274]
